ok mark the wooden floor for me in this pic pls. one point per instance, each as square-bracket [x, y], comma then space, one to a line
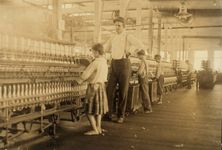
[187, 120]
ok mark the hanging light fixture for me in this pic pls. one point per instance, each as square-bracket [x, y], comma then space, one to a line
[183, 15]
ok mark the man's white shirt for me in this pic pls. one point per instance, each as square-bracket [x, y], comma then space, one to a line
[119, 44]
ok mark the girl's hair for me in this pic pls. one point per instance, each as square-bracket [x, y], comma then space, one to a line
[99, 48]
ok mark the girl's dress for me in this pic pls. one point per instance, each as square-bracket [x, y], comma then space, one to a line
[96, 98]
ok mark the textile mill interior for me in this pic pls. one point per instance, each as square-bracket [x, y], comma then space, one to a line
[110, 74]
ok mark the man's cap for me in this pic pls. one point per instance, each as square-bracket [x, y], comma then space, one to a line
[141, 52]
[157, 56]
[119, 19]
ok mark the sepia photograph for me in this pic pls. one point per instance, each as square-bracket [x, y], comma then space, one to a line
[110, 74]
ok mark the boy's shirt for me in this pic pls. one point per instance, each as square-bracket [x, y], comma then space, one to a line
[143, 69]
[190, 68]
[159, 69]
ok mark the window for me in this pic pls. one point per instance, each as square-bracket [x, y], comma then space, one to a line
[199, 56]
[165, 56]
[182, 55]
[162, 54]
[217, 64]
[67, 6]
[179, 55]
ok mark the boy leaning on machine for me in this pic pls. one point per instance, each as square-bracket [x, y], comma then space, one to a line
[143, 72]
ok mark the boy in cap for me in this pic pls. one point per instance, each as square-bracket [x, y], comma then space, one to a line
[143, 81]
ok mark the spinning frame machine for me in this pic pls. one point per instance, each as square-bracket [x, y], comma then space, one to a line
[38, 80]
[170, 76]
[175, 74]
[134, 102]
[181, 69]
[206, 77]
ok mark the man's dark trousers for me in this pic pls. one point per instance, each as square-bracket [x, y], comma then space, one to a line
[120, 71]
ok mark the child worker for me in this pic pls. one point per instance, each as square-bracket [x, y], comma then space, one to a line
[159, 75]
[143, 81]
[97, 103]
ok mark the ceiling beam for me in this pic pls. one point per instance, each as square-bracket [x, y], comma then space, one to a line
[164, 11]
[35, 5]
[202, 37]
[176, 0]
[144, 27]
[77, 1]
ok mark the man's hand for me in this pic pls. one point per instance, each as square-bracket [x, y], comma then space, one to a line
[150, 74]
[154, 78]
[79, 80]
[128, 54]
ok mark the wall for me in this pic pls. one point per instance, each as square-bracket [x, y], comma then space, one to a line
[19, 18]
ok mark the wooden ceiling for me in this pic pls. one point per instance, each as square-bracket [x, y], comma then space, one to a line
[77, 6]
[114, 4]
[168, 8]
[207, 15]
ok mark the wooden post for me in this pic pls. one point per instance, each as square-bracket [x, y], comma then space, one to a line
[180, 45]
[165, 37]
[98, 16]
[139, 19]
[71, 31]
[191, 56]
[177, 50]
[182, 53]
[57, 15]
[123, 7]
[174, 46]
[150, 33]
[211, 58]
[166, 40]
[169, 41]
[183, 50]
[159, 35]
